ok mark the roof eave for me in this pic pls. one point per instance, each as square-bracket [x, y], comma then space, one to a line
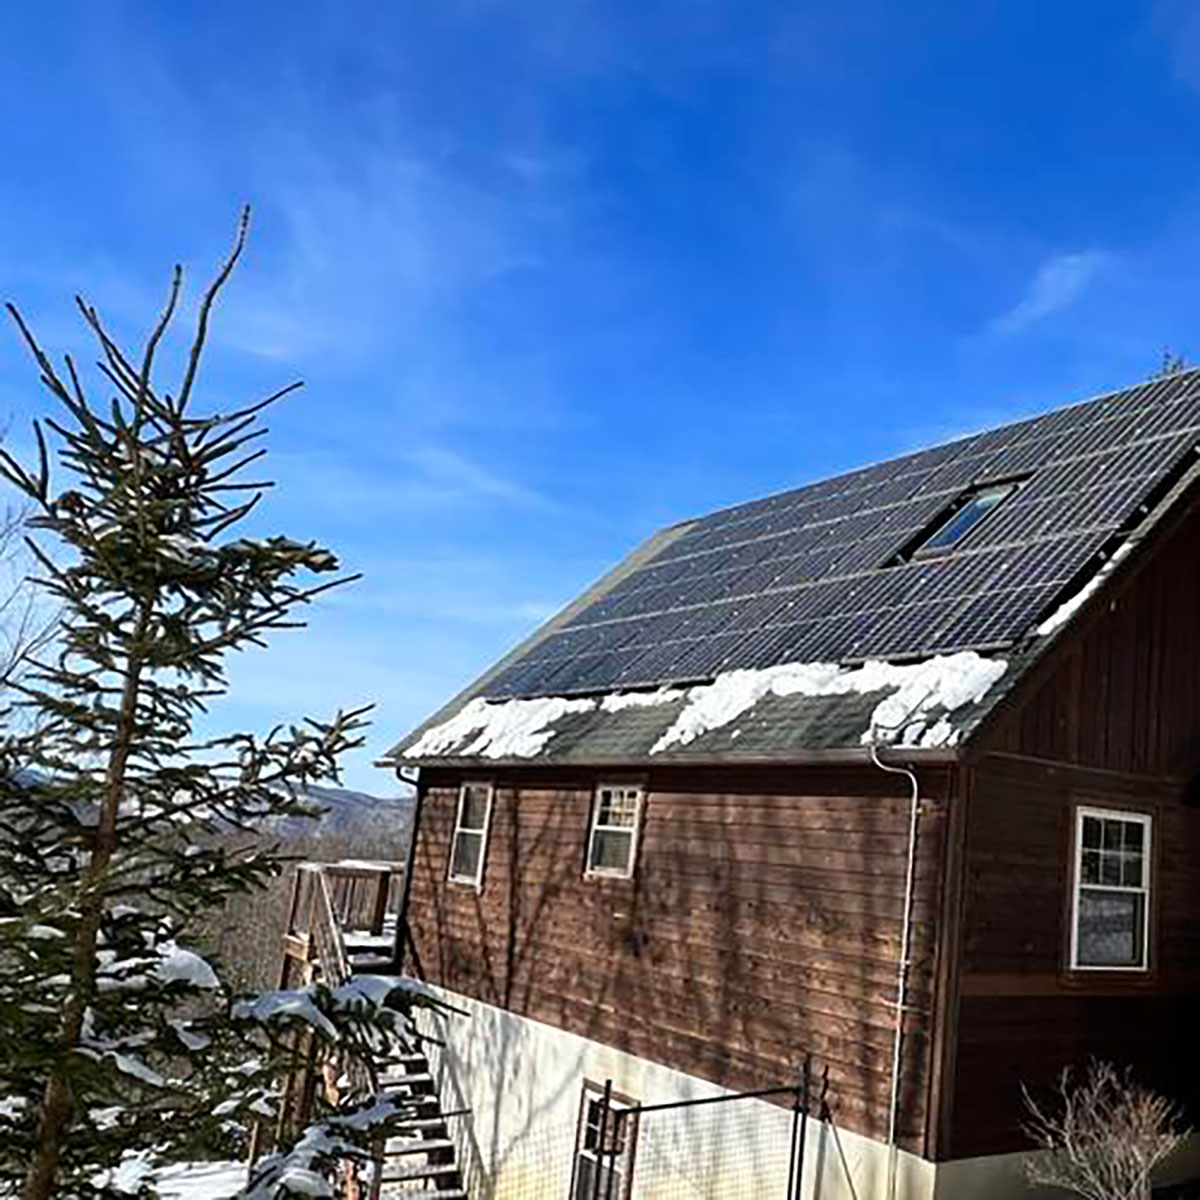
[850, 755]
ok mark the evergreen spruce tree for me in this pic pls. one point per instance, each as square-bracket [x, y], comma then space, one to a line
[120, 1048]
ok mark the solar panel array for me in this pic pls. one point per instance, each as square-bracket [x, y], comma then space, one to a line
[811, 575]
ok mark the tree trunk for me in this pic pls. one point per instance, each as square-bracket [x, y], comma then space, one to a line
[57, 1110]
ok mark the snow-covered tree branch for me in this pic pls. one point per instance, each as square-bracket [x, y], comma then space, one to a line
[115, 1038]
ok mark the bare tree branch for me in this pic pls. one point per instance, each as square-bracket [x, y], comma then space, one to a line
[1104, 1135]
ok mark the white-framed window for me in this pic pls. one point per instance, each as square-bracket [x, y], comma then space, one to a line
[469, 846]
[1110, 911]
[604, 1147]
[612, 840]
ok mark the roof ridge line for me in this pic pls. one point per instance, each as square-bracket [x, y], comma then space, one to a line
[963, 437]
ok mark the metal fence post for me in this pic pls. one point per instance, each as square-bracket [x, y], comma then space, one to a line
[803, 1123]
[799, 1128]
[617, 1118]
[790, 1194]
[603, 1133]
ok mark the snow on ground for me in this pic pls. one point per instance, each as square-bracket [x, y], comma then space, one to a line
[183, 1181]
[201, 1181]
[913, 714]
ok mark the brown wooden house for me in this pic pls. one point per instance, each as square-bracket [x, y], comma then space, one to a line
[897, 769]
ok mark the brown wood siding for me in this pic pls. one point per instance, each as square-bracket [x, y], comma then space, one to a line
[764, 920]
[1112, 717]
[1023, 1015]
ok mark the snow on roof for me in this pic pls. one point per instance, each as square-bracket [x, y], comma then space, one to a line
[1065, 611]
[512, 729]
[919, 698]
[917, 691]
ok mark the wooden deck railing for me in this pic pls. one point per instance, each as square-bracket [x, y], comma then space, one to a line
[337, 910]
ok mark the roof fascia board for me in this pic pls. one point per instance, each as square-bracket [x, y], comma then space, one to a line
[914, 755]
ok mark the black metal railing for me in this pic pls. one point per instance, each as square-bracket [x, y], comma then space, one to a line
[619, 1125]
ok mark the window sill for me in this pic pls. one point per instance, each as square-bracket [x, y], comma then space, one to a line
[1107, 980]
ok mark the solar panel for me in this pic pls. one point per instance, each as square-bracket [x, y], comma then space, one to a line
[813, 573]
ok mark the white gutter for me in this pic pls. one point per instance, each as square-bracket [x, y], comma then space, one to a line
[901, 1003]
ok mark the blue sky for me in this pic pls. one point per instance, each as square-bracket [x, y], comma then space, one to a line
[558, 273]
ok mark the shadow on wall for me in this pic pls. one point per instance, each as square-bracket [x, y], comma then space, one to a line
[756, 928]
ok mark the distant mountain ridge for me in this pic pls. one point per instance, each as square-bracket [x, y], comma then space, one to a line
[350, 815]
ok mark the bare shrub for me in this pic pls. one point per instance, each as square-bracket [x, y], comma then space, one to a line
[1105, 1135]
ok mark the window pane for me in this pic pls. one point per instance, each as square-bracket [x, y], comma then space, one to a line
[614, 1137]
[591, 1132]
[967, 517]
[1091, 866]
[603, 1168]
[584, 1178]
[1110, 868]
[1112, 835]
[1131, 869]
[617, 807]
[611, 850]
[1091, 833]
[605, 808]
[474, 808]
[467, 849]
[1110, 929]
[1133, 835]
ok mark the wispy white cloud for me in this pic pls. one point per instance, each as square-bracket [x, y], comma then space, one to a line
[1055, 285]
[421, 480]
[447, 473]
[370, 248]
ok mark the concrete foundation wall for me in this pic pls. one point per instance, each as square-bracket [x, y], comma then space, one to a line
[523, 1081]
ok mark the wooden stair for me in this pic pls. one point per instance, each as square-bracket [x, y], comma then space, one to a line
[340, 924]
[422, 1158]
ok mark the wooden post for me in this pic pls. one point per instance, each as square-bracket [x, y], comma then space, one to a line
[403, 937]
[383, 885]
[293, 907]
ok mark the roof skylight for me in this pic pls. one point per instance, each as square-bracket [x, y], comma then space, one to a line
[971, 509]
[952, 525]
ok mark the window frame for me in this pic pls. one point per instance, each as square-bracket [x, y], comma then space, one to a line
[617, 1103]
[483, 833]
[917, 549]
[1146, 820]
[923, 549]
[634, 830]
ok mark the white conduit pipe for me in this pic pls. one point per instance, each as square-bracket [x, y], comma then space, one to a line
[902, 967]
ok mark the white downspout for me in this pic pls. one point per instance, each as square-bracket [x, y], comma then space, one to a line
[902, 967]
